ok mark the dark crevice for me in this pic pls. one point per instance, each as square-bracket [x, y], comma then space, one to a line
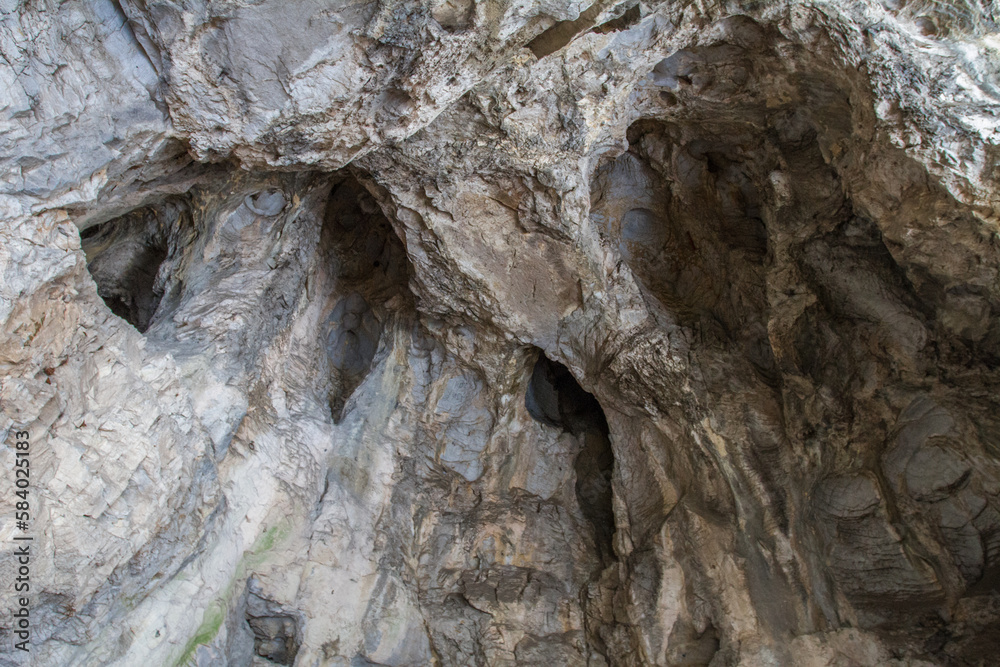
[367, 271]
[276, 633]
[274, 638]
[555, 399]
[562, 33]
[129, 259]
[690, 648]
[629, 18]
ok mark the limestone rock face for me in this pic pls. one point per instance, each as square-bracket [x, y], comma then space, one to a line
[529, 332]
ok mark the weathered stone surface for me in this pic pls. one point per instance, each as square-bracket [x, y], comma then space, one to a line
[522, 333]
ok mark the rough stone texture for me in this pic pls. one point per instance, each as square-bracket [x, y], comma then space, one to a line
[503, 333]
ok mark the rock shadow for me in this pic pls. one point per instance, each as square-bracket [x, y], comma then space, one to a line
[556, 399]
[131, 258]
[367, 272]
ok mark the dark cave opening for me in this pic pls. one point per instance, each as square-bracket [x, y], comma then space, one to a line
[275, 630]
[556, 399]
[128, 259]
[274, 638]
[367, 273]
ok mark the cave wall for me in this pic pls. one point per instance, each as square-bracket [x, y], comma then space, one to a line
[462, 333]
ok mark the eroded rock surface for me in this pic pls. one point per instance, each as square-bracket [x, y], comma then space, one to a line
[517, 333]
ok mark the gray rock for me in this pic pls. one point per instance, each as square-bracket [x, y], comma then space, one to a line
[507, 333]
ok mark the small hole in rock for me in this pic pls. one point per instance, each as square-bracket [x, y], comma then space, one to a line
[274, 638]
[126, 257]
